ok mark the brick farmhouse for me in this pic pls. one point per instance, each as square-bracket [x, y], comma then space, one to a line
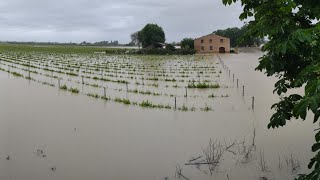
[212, 44]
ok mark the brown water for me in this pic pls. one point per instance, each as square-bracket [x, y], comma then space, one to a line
[82, 138]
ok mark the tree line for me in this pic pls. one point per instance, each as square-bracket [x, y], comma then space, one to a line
[239, 38]
[152, 33]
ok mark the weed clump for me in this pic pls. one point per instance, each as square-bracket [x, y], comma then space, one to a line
[17, 74]
[64, 87]
[124, 101]
[146, 104]
[74, 90]
[203, 85]
[206, 108]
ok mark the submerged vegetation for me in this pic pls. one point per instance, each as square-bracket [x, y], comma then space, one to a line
[203, 85]
[164, 80]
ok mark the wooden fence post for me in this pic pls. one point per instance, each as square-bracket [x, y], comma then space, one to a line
[175, 103]
[186, 92]
[253, 102]
[243, 90]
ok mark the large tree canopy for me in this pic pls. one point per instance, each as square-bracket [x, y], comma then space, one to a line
[150, 34]
[293, 55]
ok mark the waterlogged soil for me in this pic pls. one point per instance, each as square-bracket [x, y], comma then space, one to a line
[48, 133]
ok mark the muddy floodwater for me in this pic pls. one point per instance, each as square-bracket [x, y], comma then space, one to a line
[48, 133]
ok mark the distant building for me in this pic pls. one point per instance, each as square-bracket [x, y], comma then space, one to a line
[212, 44]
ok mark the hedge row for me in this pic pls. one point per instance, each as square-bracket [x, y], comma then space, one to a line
[153, 51]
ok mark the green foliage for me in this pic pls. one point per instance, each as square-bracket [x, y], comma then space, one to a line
[170, 47]
[203, 85]
[74, 90]
[232, 33]
[293, 55]
[124, 101]
[166, 52]
[17, 74]
[206, 108]
[64, 87]
[59, 49]
[236, 36]
[187, 43]
[150, 34]
[146, 104]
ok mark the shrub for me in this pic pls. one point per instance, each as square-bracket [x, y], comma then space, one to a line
[187, 43]
[170, 47]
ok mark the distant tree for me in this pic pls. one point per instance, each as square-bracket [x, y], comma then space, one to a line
[175, 43]
[235, 35]
[248, 41]
[150, 34]
[187, 43]
[232, 33]
[170, 47]
[135, 39]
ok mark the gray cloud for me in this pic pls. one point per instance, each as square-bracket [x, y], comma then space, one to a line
[95, 20]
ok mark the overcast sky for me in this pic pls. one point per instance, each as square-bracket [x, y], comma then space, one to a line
[97, 20]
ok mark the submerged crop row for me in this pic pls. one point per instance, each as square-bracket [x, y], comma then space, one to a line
[126, 79]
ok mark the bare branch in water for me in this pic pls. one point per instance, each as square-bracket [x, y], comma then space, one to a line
[179, 173]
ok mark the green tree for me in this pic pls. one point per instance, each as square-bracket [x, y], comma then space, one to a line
[235, 34]
[187, 43]
[135, 39]
[170, 47]
[232, 33]
[150, 34]
[293, 55]
[249, 41]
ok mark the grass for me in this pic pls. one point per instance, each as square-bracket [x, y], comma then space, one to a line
[146, 104]
[206, 108]
[64, 87]
[183, 108]
[167, 106]
[124, 101]
[97, 96]
[122, 68]
[17, 74]
[203, 85]
[72, 74]
[46, 83]
[74, 90]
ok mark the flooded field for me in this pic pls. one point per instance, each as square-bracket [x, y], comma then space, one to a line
[92, 116]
